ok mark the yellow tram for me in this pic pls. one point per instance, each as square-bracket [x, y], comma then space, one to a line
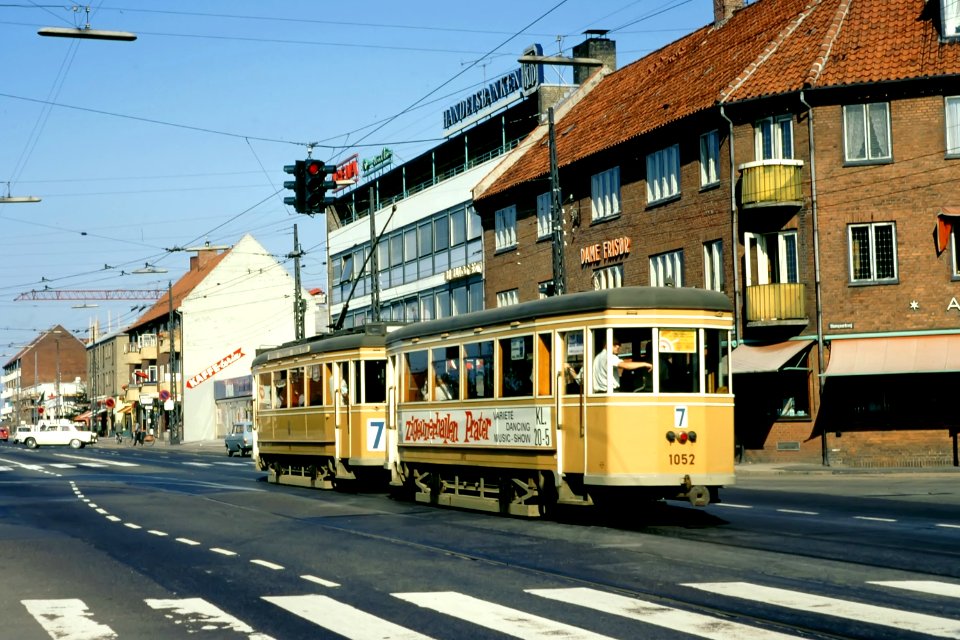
[320, 409]
[617, 395]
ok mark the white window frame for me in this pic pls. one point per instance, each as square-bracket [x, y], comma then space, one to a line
[666, 269]
[663, 174]
[506, 227]
[955, 255]
[779, 131]
[544, 215]
[710, 158]
[951, 108]
[872, 248]
[508, 298]
[950, 10]
[713, 265]
[866, 127]
[608, 277]
[767, 256]
[605, 194]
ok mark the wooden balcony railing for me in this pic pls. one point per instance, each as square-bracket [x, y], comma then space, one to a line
[771, 183]
[776, 302]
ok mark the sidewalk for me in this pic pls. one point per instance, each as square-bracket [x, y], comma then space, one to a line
[196, 446]
[783, 469]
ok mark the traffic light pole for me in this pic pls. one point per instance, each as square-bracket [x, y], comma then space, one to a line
[298, 304]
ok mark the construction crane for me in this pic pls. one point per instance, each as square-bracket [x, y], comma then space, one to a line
[92, 294]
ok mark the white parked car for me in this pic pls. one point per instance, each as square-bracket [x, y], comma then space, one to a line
[64, 434]
[20, 432]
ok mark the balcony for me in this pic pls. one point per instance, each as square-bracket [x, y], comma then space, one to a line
[771, 183]
[776, 304]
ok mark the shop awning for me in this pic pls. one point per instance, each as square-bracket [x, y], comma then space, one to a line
[946, 220]
[84, 417]
[123, 408]
[767, 358]
[902, 354]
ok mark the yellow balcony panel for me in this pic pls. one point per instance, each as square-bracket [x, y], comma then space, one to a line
[771, 183]
[776, 303]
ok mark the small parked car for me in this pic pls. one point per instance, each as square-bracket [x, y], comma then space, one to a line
[4, 433]
[240, 439]
[21, 432]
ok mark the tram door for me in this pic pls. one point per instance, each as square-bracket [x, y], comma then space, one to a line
[341, 391]
[570, 401]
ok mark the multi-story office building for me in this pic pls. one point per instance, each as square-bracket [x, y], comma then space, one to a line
[802, 157]
[429, 257]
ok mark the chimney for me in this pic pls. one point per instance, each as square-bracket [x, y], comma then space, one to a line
[723, 9]
[595, 46]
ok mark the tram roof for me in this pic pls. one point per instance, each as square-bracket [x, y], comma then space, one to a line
[368, 335]
[573, 303]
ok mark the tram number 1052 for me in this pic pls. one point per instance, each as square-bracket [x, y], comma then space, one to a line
[679, 459]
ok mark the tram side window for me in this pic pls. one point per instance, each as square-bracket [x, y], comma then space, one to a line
[445, 362]
[572, 357]
[315, 385]
[544, 364]
[374, 381]
[415, 377]
[679, 364]
[478, 361]
[328, 377]
[516, 354]
[296, 388]
[280, 389]
[265, 391]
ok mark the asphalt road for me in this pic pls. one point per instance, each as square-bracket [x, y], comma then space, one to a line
[165, 542]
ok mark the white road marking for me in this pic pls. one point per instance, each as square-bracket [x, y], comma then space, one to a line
[873, 519]
[101, 463]
[157, 533]
[67, 619]
[343, 619]
[798, 512]
[923, 586]
[198, 464]
[102, 512]
[822, 605]
[490, 615]
[733, 506]
[950, 526]
[268, 564]
[92, 465]
[188, 541]
[320, 581]
[63, 465]
[6, 468]
[225, 552]
[195, 615]
[651, 613]
[132, 526]
[114, 518]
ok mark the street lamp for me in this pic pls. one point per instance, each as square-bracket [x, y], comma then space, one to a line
[56, 333]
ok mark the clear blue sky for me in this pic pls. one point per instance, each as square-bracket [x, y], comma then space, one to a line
[181, 136]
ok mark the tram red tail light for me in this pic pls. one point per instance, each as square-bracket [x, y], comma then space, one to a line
[682, 437]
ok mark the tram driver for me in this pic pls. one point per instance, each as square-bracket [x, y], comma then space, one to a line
[616, 367]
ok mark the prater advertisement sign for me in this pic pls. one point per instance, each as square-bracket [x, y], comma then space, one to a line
[526, 427]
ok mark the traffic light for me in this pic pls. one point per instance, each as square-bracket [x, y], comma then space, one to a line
[298, 184]
[315, 176]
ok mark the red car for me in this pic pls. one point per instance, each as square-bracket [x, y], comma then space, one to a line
[4, 434]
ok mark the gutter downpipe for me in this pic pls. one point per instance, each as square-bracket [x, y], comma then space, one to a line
[734, 233]
[824, 449]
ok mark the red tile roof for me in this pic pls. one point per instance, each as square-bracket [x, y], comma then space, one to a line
[768, 48]
[180, 289]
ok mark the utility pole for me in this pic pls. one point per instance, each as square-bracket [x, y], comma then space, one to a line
[556, 213]
[298, 304]
[171, 331]
[374, 268]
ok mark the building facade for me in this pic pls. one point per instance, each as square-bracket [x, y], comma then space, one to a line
[801, 157]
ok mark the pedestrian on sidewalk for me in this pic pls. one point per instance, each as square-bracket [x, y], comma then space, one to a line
[138, 435]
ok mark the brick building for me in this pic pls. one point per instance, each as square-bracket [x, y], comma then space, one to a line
[45, 379]
[802, 156]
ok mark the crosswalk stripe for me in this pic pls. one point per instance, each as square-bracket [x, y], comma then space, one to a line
[923, 586]
[102, 462]
[198, 464]
[821, 605]
[67, 618]
[490, 615]
[684, 621]
[62, 465]
[92, 465]
[196, 614]
[6, 468]
[343, 619]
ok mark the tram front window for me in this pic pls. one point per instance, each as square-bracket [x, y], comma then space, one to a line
[679, 364]
[621, 361]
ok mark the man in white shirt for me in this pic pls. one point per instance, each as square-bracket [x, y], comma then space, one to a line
[600, 362]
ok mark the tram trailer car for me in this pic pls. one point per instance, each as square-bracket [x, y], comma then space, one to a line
[320, 411]
[520, 408]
